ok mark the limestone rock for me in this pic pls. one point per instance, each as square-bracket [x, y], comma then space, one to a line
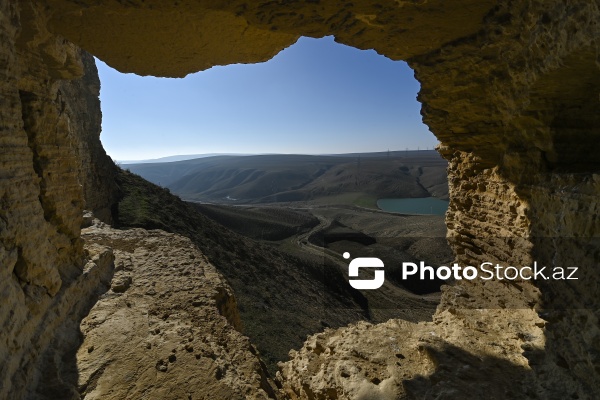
[121, 283]
[44, 158]
[141, 35]
[446, 358]
[167, 329]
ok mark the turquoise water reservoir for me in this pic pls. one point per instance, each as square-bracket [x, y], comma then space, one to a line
[426, 205]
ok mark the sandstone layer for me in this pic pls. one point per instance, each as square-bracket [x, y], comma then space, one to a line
[401, 360]
[510, 88]
[166, 328]
[50, 157]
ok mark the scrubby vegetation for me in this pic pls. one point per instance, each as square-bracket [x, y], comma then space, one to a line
[285, 265]
[266, 223]
[282, 298]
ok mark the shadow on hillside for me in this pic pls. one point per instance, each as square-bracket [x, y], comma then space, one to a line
[281, 298]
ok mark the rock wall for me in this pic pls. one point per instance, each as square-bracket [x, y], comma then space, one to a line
[49, 127]
[167, 327]
[518, 129]
[513, 107]
[510, 88]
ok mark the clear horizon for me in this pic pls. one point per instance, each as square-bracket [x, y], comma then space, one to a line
[315, 97]
[267, 154]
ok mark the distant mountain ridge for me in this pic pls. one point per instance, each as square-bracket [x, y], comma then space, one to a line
[176, 158]
[295, 177]
[184, 157]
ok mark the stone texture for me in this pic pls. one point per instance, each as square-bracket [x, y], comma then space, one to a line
[136, 35]
[206, 35]
[398, 359]
[167, 328]
[96, 170]
[510, 88]
[54, 369]
[42, 169]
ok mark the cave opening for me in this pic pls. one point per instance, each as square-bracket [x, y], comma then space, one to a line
[314, 97]
[281, 166]
[480, 64]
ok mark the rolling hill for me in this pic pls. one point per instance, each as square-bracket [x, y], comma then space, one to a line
[286, 287]
[286, 178]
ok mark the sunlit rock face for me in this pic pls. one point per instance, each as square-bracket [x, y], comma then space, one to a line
[511, 91]
[49, 131]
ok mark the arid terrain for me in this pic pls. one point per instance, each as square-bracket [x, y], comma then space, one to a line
[358, 179]
[284, 261]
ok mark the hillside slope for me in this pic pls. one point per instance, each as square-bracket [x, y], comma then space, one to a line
[284, 178]
[262, 277]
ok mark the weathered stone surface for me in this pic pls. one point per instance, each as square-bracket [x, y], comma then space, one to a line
[399, 359]
[510, 88]
[42, 169]
[206, 35]
[174, 39]
[54, 369]
[96, 170]
[166, 329]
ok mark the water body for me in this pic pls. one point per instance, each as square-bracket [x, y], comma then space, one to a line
[426, 205]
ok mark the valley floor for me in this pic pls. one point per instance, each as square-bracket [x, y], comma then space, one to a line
[323, 233]
[284, 261]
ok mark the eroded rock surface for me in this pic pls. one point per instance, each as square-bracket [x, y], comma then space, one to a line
[166, 329]
[462, 354]
[49, 150]
[174, 39]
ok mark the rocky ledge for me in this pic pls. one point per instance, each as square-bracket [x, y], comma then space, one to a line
[168, 327]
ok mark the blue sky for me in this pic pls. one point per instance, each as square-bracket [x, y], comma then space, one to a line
[314, 97]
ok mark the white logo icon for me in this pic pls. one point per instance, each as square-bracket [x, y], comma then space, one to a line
[365, 262]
